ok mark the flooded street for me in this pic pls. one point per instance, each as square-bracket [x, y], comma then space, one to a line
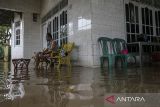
[76, 87]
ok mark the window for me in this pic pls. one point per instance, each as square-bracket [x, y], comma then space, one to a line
[17, 33]
[147, 22]
[157, 19]
[60, 28]
[17, 24]
[56, 19]
[63, 27]
[18, 37]
[132, 22]
[147, 26]
[62, 4]
[56, 29]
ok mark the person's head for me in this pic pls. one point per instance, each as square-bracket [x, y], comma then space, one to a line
[48, 37]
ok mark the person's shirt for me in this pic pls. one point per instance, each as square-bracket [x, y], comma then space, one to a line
[51, 45]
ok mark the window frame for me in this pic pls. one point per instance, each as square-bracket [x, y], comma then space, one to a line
[131, 23]
[57, 30]
[140, 6]
[150, 26]
[157, 22]
[17, 39]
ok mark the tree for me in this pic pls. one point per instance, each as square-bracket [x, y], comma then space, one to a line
[5, 35]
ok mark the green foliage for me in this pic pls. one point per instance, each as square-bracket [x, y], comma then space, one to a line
[5, 35]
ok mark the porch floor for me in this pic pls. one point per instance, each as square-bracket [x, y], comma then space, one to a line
[76, 87]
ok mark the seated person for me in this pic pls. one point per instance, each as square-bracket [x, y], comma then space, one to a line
[51, 47]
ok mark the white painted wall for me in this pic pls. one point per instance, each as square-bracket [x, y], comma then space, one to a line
[32, 37]
[17, 51]
[31, 40]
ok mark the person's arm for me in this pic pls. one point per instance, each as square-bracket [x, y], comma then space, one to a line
[45, 49]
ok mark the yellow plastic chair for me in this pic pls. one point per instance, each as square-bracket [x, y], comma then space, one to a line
[63, 60]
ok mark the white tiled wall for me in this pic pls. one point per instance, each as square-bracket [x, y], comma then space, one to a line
[107, 20]
[79, 22]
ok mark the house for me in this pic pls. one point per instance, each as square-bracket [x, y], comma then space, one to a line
[81, 22]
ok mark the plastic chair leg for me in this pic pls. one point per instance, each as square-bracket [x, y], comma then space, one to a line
[110, 62]
[101, 61]
[135, 59]
[125, 61]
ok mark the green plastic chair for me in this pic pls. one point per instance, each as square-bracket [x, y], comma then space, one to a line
[1, 53]
[107, 51]
[118, 46]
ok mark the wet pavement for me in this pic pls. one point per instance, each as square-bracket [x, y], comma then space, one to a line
[76, 87]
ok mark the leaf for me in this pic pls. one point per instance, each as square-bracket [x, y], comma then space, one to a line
[5, 35]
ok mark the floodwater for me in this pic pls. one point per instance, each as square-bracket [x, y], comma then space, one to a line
[76, 87]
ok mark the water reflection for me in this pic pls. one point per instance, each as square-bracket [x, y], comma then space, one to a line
[73, 87]
[11, 83]
[16, 91]
[58, 84]
[132, 80]
[4, 83]
[4, 88]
